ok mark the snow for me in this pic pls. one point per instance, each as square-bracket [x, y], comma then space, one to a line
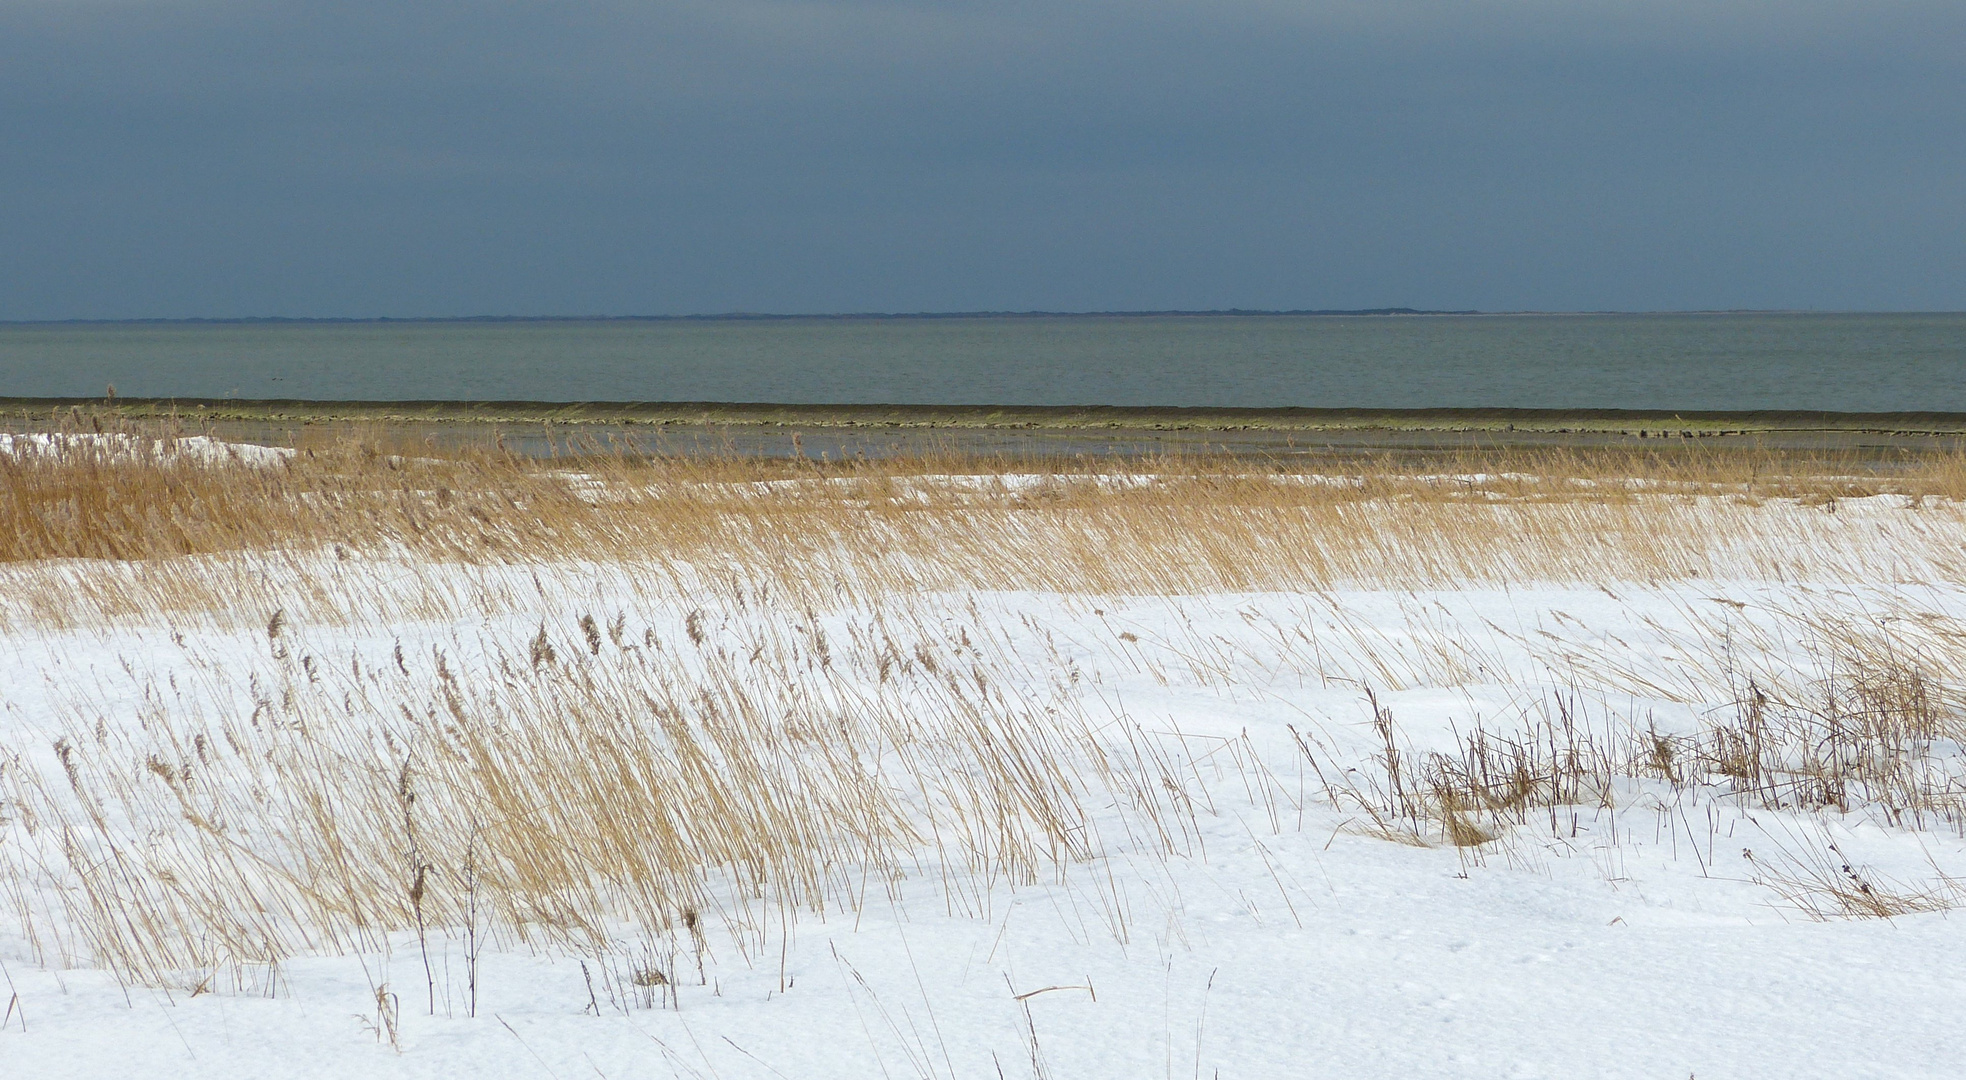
[201, 449]
[1401, 968]
[1284, 940]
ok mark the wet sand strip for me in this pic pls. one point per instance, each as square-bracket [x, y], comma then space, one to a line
[840, 431]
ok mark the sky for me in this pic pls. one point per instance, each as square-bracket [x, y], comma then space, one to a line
[359, 158]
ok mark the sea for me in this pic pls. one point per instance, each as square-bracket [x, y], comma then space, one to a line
[1842, 362]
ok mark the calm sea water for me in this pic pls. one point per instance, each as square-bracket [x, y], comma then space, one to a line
[1842, 362]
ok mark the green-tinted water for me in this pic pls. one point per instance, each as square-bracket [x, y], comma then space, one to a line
[1841, 362]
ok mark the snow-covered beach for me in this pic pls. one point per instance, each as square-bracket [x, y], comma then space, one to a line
[318, 810]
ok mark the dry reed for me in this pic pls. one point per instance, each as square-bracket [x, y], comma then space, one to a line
[173, 527]
[586, 778]
[554, 795]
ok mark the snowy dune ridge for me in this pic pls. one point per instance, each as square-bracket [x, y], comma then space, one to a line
[334, 808]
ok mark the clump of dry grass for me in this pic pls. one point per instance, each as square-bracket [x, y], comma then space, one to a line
[1871, 737]
[1854, 722]
[553, 795]
[1491, 784]
[1825, 710]
[1813, 876]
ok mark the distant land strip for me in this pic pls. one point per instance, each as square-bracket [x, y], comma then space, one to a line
[1078, 418]
[903, 316]
[752, 316]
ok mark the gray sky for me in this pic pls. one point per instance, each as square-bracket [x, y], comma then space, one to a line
[404, 157]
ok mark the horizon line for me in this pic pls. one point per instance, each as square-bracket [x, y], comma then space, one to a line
[751, 316]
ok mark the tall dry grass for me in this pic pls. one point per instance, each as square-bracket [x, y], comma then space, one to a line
[1815, 717]
[172, 523]
[565, 790]
[563, 786]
